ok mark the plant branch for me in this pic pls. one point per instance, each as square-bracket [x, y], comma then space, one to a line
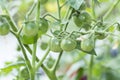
[31, 10]
[70, 15]
[93, 9]
[9, 18]
[90, 67]
[41, 61]
[59, 9]
[56, 63]
[50, 16]
[110, 10]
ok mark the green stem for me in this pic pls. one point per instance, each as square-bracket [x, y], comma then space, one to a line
[93, 9]
[49, 72]
[9, 18]
[56, 63]
[31, 10]
[41, 61]
[68, 19]
[59, 9]
[90, 68]
[51, 16]
[28, 64]
[34, 56]
[38, 10]
[110, 10]
[63, 4]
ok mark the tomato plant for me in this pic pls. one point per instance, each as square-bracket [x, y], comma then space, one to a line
[43, 26]
[54, 32]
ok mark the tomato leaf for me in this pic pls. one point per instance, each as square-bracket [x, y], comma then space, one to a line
[75, 3]
[12, 66]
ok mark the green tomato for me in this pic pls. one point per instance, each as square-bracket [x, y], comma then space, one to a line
[24, 73]
[55, 45]
[26, 39]
[100, 35]
[30, 29]
[77, 21]
[4, 29]
[68, 44]
[86, 15]
[43, 26]
[87, 45]
[82, 18]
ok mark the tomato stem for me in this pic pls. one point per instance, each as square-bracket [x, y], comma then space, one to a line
[70, 15]
[9, 18]
[56, 63]
[28, 64]
[59, 9]
[41, 61]
[90, 67]
[50, 16]
[34, 55]
[31, 10]
[93, 9]
[110, 9]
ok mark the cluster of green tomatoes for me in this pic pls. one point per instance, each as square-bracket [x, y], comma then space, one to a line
[30, 29]
[62, 40]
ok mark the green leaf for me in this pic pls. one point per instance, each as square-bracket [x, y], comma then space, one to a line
[12, 66]
[75, 3]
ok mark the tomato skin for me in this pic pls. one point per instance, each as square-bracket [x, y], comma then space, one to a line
[68, 44]
[87, 45]
[30, 29]
[77, 21]
[24, 74]
[100, 35]
[82, 18]
[54, 45]
[43, 26]
[4, 29]
[26, 39]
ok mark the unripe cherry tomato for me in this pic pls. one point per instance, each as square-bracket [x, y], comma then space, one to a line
[54, 45]
[82, 18]
[100, 35]
[26, 39]
[30, 29]
[24, 73]
[43, 26]
[77, 20]
[68, 44]
[4, 29]
[87, 45]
